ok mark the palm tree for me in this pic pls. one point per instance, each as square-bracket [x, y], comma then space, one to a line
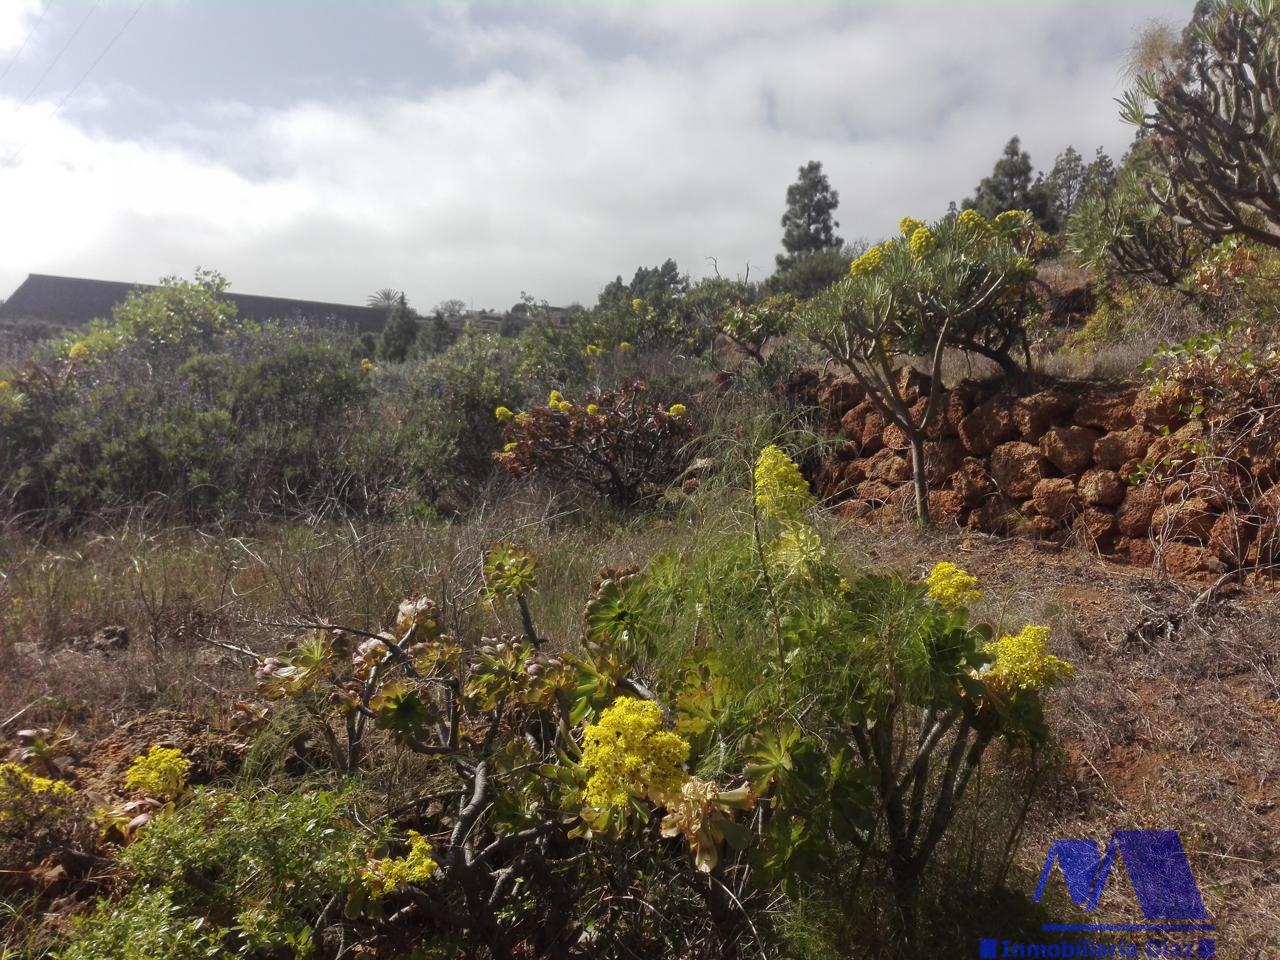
[387, 299]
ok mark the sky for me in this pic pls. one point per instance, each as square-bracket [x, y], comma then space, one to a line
[325, 150]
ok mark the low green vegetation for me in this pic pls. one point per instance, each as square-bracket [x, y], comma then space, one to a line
[537, 643]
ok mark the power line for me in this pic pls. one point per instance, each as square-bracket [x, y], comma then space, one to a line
[83, 77]
[30, 33]
[54, 62]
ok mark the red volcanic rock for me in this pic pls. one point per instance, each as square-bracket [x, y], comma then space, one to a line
[988, 426]
[1055, 498]
[1113, 449]
[872, 432]
[945, 506]
[1070, 449]
[941, 459]
[853, 510]
[1231, 536]
[1096, 525]
[972, 482]
[956, 405]
[1015, 467]
[1184, 559]
[1102, 488]
[888, 467]
[837, 397]
[895, 438]
[1133, 516]
[1037, 413]
[1189, 519]
[1108, 411]
[911, 384]
[874, 491]
[1138, 550]
[1178, 447]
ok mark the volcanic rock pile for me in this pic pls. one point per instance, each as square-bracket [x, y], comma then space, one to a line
[1111, 466]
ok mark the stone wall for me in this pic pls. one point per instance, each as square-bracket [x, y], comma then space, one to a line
[1109, 466]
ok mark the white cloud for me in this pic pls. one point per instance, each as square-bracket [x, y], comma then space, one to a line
[16, 19]
[549, 168]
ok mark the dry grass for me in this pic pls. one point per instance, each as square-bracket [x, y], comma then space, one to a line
[182, 594]
[1117, 339]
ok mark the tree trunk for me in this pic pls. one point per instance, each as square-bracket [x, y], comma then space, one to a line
[918, 477]
[906, 895]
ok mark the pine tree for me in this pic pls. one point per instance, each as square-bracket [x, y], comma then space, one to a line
[807, 225]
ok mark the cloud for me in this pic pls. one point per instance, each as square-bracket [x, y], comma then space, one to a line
[16, 19]
[569, 149]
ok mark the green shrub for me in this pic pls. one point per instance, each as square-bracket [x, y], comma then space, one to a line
[231, 874]
[145, 925]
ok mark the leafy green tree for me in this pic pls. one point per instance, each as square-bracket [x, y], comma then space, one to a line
[659, 286]
[808, 225]
[1121, 231]
[806, 274]
[1100, 174]
[1011, 186]
[451, 310]
[648, 309]
[1066, 182]
[1071, 180]
[1209, 112]
[176, 314]
[751, 326]
[400, 332]
[951, 284]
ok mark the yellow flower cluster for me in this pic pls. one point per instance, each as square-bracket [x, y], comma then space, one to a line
[504, 414]
[974, 222]
[509, 447]
[592, 350]
[922, 243]
[24, 793]
[592, 409]
[637, 304]
[909, 225]
[952, 587]
[383, 877]
[781, 490]
[1010, 219]
[1021, 663]
[629, 752]
[624, 346]
[869, 262]
[677, 410]
[366, 365]
[557, 402]
[78, 351]
[162, 773]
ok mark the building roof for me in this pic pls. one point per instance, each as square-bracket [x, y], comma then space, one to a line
[74, 301]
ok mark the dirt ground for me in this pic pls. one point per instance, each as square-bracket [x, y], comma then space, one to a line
[1171, 721]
